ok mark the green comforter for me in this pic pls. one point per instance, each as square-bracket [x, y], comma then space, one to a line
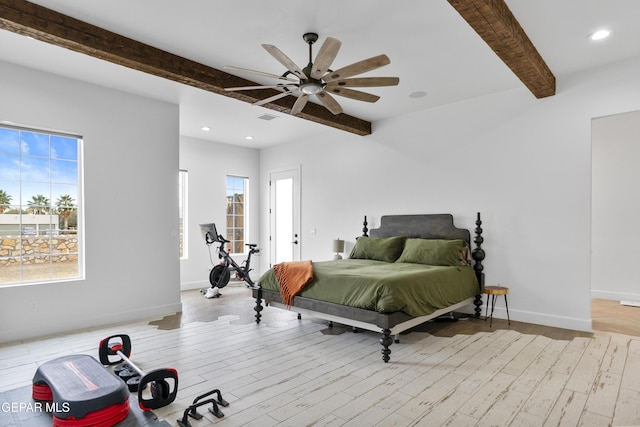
[416, 289]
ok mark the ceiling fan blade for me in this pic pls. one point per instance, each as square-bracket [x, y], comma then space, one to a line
[327, 53]
[284, 60]
[358, 68]
[366, 82]
[353, 94]
[272, 98]
[260, 73]
[299, 104]
[231, 89]
[329, 102]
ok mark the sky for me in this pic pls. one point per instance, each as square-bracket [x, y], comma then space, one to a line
[34, 163]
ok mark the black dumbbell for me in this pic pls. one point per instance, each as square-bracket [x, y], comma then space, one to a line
[134, 383]
[121, 367]
[125, 374]
[162, 392]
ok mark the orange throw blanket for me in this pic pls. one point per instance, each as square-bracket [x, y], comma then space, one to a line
[292, 276]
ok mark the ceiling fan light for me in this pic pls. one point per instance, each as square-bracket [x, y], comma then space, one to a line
[310, 88]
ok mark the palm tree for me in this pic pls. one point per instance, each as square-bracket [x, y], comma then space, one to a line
[38, 204]
[65, 208]
[5, 199]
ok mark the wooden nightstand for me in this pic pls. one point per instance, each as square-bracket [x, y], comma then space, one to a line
[493, 291]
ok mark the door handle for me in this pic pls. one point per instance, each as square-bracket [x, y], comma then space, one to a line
[295, 242]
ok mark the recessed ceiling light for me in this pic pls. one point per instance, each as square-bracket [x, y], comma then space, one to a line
[418, 94]
[205, 128]
[248, 137]
[599, 35]
[267, 117]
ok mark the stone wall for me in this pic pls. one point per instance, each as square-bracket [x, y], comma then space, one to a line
[38, 249]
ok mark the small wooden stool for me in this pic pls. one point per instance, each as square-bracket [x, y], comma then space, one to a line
[493, 291]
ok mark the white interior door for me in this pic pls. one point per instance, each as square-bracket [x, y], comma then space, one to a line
[284, 219]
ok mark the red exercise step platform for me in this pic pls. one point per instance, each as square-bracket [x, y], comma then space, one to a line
[81, 392]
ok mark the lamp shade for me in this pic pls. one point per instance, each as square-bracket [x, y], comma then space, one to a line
[338, 245]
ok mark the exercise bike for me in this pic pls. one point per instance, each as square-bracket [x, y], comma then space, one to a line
[220, 274]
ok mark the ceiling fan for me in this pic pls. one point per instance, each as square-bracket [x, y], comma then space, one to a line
[318, 79]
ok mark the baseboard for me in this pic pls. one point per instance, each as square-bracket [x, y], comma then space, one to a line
[63, 326]
[614, 296]
[187, 286]
[200, 284]
[564, 322]
[575, 324]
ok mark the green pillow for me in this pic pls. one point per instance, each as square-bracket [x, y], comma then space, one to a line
[378, 248]
[434, 252]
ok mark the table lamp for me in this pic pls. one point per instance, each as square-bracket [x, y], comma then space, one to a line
[338, 247]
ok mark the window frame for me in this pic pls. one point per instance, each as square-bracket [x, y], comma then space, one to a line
[183, 213]
[245, 215]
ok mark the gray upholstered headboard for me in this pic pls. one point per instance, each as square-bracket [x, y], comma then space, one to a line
[430, 226]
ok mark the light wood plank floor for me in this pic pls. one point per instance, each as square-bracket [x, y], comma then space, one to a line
[291, 372]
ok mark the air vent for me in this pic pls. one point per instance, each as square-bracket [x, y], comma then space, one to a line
[267, 117]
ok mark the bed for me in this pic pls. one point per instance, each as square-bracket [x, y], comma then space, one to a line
[410, 270]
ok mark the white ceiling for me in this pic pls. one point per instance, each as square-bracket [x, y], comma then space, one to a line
[431, 48]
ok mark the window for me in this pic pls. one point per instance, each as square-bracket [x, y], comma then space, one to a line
[182, 207]
[237, 189]
[40, 199]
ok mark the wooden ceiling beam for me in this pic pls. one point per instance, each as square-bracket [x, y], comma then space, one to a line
[494, 22]
[47, 25]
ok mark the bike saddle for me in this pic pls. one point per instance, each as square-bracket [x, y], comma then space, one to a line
[251, 245]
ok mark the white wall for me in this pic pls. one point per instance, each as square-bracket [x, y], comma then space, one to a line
[130, 176]
[208, 163]
[524, 163]
[616, 204]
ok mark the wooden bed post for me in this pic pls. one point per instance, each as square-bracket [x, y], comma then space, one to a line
[386, 341]
[365, 230]
[478, 255]
[258, 308]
